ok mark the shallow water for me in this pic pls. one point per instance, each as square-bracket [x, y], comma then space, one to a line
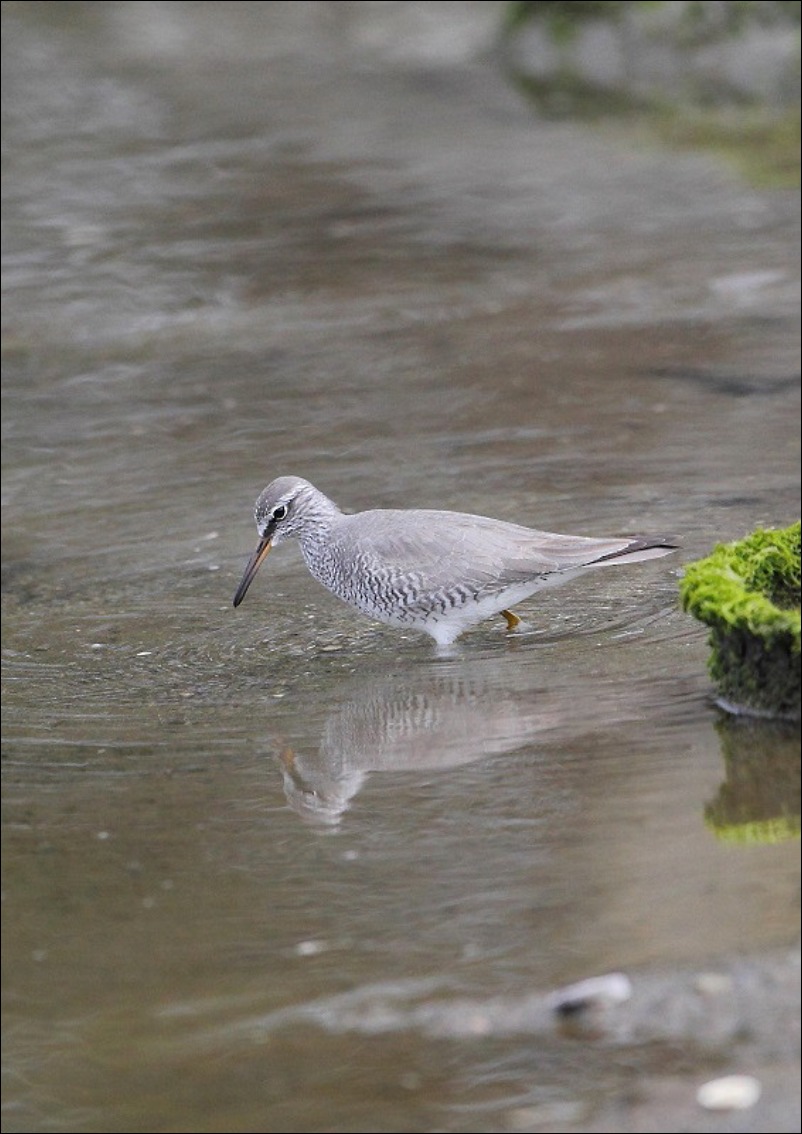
[273, 868]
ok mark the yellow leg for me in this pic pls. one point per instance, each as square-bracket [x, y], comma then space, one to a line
[512, 619]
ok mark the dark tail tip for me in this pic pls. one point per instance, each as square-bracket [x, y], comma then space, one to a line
[644, 543]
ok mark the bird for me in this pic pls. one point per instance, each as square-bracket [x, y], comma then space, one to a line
[439, 572]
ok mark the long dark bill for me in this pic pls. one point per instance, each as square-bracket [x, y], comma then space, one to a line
[254, 563]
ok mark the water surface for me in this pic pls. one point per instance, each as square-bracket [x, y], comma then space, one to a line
[281, 868]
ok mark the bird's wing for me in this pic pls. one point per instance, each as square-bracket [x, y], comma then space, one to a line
[442, 549]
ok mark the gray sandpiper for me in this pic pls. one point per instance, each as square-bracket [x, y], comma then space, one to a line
[422, 569]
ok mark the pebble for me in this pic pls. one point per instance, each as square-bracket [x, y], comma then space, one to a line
[310, 948]
[713, 984]
[733, 1092]
[601, 991]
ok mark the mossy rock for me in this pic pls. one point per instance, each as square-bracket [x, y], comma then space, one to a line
[748, 593]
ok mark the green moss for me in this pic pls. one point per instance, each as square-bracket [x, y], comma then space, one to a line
[748, 593]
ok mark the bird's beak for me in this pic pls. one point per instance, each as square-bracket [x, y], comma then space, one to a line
[254, 563]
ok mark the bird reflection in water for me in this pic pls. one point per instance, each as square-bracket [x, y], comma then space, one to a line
[437, 723]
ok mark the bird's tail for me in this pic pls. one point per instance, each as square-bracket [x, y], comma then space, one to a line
[640, 548]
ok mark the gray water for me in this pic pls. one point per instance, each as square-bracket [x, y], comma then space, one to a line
[280, 868]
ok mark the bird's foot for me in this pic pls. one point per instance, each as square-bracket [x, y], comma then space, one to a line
[512, 619]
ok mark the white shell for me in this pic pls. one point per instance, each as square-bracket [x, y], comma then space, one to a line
[733, 1092]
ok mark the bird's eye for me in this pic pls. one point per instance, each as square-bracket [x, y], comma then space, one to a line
[279, 513]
